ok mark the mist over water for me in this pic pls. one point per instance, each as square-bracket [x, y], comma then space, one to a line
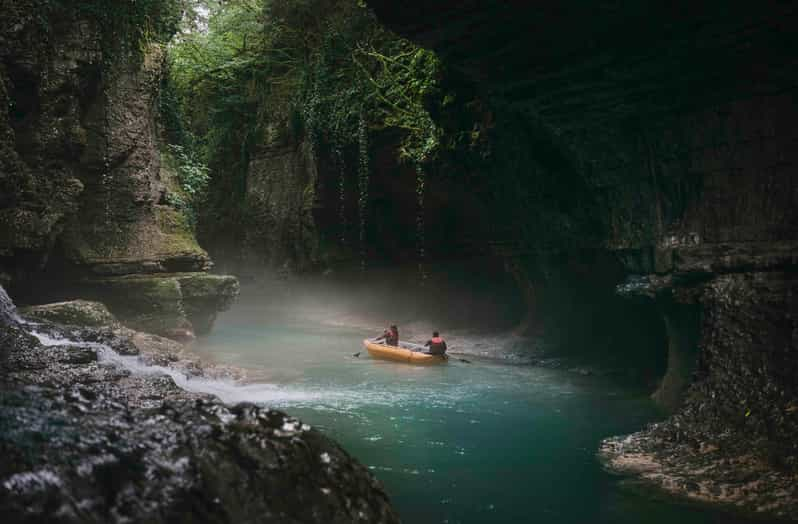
[497, 440]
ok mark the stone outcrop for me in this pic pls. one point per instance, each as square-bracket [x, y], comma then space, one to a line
[75, 312]
[91, 435]
[674, 130]
[165, 303]
[86, 207]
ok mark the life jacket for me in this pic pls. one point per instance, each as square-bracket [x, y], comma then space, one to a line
[393, 340]
[437, 346]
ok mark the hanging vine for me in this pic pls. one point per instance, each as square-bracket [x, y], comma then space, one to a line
[363, 185]
[420, 223]
[341, 164]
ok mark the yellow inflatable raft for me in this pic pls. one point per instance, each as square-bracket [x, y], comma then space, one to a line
[405, 352]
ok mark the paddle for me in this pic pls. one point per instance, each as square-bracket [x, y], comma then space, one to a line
[460, 359]
[357, 355]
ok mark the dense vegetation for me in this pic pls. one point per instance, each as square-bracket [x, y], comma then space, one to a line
[128, 26]
[243, 71]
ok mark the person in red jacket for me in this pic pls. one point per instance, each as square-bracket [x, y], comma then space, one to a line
[436, 345]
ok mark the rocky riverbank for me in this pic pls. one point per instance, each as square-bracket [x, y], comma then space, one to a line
[704, 468]
[93, 428]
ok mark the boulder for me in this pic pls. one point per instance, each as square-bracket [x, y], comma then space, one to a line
[74, 312]
[172, 305]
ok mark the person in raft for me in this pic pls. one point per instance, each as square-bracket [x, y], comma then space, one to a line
[390, 336]
[436, 345]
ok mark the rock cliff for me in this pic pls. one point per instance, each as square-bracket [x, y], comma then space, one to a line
[85, 207]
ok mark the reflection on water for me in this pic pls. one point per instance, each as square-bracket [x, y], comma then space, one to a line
[467, 443]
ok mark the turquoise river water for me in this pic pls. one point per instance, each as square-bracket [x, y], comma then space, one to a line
[494, 441]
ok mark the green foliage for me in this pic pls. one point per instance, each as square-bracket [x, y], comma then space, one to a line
[192, 176]
[191, 173]
[126, 25]
[313, 64]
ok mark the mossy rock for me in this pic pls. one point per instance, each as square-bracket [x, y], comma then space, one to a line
[208, 286]
[147, 303]
[75, 312]
[204, 295]
[169, 304]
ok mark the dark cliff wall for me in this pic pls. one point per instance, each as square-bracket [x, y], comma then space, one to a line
[671, 127]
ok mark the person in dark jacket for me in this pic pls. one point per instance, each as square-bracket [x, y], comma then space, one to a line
[390, 336]
[394, 340]
[436, 345]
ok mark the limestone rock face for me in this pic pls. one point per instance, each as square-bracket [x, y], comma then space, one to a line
[124, 225]
[41, 135]
[84, 188]
[277, 227]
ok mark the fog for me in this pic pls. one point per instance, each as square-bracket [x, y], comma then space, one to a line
[474, 296]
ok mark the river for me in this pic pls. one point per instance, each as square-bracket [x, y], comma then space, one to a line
[494, 440]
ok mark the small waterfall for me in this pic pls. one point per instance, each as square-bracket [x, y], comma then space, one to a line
[339, 159]
[8, 312]
[420, 225]
[363, 186]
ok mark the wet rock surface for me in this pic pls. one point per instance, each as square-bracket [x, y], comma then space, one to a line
[89, 435]
[734, 439]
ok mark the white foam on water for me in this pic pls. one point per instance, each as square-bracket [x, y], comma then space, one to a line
[228, 391]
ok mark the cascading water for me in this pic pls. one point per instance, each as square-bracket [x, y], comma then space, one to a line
[363, 185]
[8, 312]
[420, 225]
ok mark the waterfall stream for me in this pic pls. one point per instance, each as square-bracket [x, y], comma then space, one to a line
[8, 312]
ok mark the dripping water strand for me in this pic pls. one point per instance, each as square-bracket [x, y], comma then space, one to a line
[339, 158]
[420, 225]
[363, 186]
[310, 110]
[105, 177]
